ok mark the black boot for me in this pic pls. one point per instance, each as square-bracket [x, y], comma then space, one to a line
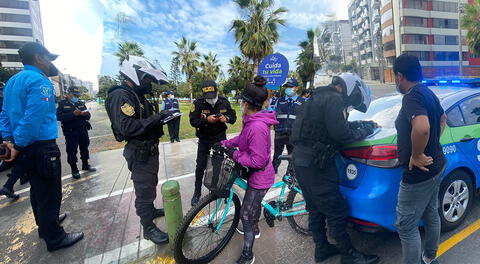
[151, 232]
[9, 193]
[323, 253]
[355, 257]
[195, 198]
[87, 167]
[158, 212]
[69, 240]
[75, 172]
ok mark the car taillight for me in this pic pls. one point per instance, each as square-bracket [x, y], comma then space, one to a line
[383, 156]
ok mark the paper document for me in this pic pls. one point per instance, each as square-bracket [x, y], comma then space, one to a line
[375, 131]
[173, 116]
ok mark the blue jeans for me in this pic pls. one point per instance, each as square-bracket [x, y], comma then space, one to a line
[417, 202]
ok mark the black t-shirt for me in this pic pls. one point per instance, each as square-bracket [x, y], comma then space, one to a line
[419, 101]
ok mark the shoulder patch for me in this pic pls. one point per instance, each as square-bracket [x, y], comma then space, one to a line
[127, 109]
[192, 109]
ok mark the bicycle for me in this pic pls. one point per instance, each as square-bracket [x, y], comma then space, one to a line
[208, 227]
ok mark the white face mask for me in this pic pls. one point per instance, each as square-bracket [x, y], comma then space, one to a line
[213, 101]
[172, 97]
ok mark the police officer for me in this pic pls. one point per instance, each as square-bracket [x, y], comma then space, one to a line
[273, 101]
[305, 94]
[29, 128]
[171, 104]
[137, 121]
[209, 115]
[320, 130]
[74, 117]
[286, 109]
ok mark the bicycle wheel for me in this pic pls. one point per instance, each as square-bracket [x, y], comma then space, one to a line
[299, 222]
[197, 239]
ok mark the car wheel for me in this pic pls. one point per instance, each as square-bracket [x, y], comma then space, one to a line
[4, 165]
[456, 197]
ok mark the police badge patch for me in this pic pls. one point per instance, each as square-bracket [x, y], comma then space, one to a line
[127, 109]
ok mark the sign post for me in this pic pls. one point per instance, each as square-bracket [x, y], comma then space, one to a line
[275, 69]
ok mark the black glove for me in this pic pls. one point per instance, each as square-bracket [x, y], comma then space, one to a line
[218, 147]
[163, 115]
[367, 131]
[229, 152]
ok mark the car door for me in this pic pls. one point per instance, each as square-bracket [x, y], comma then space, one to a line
[464, 120]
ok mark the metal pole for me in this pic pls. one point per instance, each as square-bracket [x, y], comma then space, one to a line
[460, 51]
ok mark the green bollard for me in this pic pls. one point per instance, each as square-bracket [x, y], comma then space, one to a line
[172, 203]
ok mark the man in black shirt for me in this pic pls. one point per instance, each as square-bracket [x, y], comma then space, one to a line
[419, 124]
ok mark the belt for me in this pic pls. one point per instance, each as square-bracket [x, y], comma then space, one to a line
[39, 143]
[144, 143]
[286, 117]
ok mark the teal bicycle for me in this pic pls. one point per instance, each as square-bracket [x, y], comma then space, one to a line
[208, 227]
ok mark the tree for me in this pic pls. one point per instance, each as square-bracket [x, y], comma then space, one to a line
[105, 83]
[187, 57]
[307, 65]
[236, 67]
[175, 71]
[128, 48]
[335, 62]
[471, 22]
[210, 67]
[257, 32]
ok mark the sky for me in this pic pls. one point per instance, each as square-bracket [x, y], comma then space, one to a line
[86, 35]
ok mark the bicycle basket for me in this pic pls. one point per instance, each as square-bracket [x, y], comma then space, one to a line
[220, 173]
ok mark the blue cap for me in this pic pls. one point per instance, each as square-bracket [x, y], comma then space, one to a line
[168, 92]
[291, 83]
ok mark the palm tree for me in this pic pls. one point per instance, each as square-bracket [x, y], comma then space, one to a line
[307, 65]
[187, 57]
[257, 33]
[471, 22]
[235, 67]
[210, 66]
[128, 48]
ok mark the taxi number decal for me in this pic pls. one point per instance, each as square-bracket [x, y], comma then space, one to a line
[447, 150]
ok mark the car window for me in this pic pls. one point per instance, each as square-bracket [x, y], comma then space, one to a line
[471, 110]
[455, 118]
[384, 111]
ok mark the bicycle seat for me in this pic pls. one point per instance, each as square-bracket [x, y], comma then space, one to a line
[285, 157]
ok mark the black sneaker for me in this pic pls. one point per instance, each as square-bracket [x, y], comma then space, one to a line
[355, 257]
[87, 167]
[158, 212]
[243, 260]
[76, 175]
[325, 252]
[178, 140]
[152, 233]
[195, 199]
[9, 193]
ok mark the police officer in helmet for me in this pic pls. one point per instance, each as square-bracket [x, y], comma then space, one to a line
[320, 130]
[74, 116]
[209, 116]
[137, 121]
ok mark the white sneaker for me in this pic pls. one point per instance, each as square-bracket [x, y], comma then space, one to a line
[240, 231]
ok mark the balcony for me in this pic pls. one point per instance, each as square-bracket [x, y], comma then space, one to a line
[376, 4]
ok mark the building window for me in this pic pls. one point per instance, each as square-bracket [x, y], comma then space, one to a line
[389, 46]
[414, 21]
[388, 31]
[448, 56]
[6, 44]
[450, 40]
[16, 31]
[415, 4]
[445, 23]
[414, 39]
[444, 40]
[444, 6]
[14, 4]
[387, 16]
[10, 57]
[421, 55]
[15, 18]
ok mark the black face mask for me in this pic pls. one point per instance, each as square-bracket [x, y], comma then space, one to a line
[52, 70]
[144, 88]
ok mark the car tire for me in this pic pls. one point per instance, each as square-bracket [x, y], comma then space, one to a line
[4, 165]
[455, 197]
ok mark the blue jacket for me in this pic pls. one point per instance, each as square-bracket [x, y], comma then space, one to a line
[286, 113]
[171, 105]
[29, 110]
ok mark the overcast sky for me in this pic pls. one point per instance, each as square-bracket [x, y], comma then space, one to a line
[83, 31]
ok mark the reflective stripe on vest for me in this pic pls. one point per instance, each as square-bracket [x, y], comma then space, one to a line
[286, 116]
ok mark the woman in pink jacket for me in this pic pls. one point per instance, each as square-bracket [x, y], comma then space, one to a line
[254, 149]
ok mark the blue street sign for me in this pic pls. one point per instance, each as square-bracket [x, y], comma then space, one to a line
[275, 69]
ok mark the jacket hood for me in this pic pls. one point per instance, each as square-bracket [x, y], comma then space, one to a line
[265, 116]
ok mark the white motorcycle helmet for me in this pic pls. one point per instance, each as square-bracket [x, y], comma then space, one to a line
[356, 93]
[136, 68]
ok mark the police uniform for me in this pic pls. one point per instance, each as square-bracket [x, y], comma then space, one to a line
[135, 120]
[319, 131]
[208, 133]
[28, 119]
[173, 106]
[286, 109]
[75, 129]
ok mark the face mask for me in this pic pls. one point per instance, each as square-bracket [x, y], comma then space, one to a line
[212, 102]
[171, 97]
[144, 88]
[289, 92]
[52, 70]
[75, 99]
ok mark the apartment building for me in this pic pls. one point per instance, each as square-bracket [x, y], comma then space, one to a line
[336, 39]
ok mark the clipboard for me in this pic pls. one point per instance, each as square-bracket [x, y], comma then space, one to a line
[173, 116]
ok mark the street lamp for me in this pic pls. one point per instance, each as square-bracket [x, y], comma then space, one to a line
[460, 50]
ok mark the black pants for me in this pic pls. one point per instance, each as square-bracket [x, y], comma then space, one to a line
[77, 139]
[250, 214]
[203, 151]
[43, 166]
[174, 129]
[18, 172]
[145, 180]
[324, 203]
[281, 140]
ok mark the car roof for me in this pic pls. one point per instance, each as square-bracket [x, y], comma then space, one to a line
[449, 95]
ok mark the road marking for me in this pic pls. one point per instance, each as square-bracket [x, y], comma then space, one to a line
[19, 200]
[457, 238]
[128, 251]
[130, 189]
[66, 177]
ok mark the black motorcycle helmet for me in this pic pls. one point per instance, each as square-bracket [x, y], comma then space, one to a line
[255, 93]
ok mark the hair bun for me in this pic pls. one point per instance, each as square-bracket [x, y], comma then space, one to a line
[259, 81]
